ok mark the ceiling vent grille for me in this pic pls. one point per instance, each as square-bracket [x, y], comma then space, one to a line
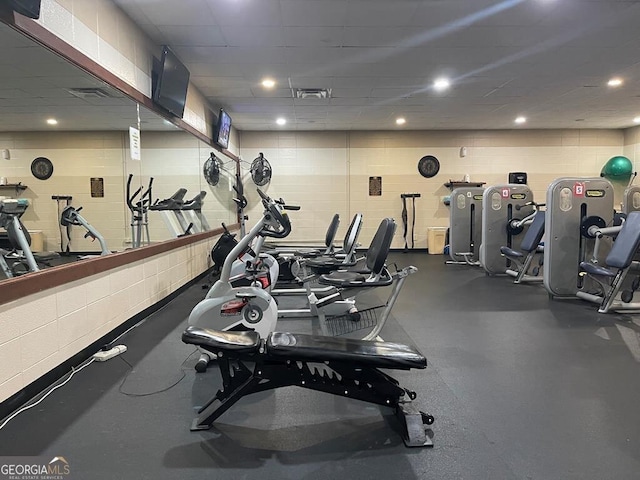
[313, 93]
[92, 92]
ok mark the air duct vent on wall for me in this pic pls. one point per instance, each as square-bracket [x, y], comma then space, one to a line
[92, 92]
[313, 93]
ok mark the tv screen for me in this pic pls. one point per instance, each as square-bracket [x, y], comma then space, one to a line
[223, 129]
[28, 8]
[173, 80]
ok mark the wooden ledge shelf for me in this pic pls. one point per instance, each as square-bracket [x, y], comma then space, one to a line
[18, 187]
[451, 184]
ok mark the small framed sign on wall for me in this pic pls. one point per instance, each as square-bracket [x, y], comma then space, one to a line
[375, 186]
[97, 187]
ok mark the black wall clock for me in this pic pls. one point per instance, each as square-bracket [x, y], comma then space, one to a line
[42, 168]
[428, 166]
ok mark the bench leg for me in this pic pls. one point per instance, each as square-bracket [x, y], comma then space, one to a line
[237, 384]
[415, 425]
[337, 378]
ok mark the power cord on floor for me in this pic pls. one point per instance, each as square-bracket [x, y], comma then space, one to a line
[148, 394]
[52, 388]
[74, 370]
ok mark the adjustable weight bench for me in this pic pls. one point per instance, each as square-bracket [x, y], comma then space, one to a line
[340, 366]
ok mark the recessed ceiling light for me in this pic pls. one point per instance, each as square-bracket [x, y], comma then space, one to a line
[520, 120]
[441, 84]
[615, 82]
[268, 83]
[52, 121]
[400, 121]
[281, 121]
[636, 120]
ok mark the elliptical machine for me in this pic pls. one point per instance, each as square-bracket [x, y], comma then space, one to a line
[243, 308]
[139, 208]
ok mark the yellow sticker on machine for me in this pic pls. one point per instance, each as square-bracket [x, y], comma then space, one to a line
[594, 193]
[518, 196]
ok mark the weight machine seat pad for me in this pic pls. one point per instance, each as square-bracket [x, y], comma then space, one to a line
[313, 348]
[510, 252]
[592, 269]
[346, 279]
[214, 340]
[626, 243]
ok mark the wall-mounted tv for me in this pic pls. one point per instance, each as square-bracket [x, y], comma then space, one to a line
[223, 129]
[170, 90]
[28, 8]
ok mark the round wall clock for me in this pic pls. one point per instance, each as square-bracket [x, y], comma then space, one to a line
[42, 168]
[428, 166]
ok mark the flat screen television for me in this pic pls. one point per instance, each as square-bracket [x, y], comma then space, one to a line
[223, 129]
[173, 81]
[28, 8]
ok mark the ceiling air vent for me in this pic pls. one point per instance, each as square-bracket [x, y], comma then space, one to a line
[92, 92]
[313, 93]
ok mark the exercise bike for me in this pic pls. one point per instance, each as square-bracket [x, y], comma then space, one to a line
[243, 308]
[71, 216]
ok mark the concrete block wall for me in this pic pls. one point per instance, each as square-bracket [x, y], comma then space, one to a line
[101, 31]
[174, 159]
[76, 158]
[328, 172]
[40, 331]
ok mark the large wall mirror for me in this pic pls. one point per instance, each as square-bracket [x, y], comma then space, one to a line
[78, 128]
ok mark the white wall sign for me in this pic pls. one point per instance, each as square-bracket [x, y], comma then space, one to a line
[134, 143]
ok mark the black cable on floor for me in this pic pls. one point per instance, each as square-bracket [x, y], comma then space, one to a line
[148, 394]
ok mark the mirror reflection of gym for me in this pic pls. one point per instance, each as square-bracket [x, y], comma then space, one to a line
[52, 110]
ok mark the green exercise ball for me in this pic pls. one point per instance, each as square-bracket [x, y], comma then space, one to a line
[617, 168]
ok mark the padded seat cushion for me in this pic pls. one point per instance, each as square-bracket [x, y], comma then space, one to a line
[215, 340]
[341, 276]
[44, 256]
[325, 264]
[343, 279]
[312, 348]
[308, 252]
[509, 252]
[592, 269]
[324, 261]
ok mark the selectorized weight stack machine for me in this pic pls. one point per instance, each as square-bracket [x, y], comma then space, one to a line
[631, 199]
[574, 205]
[503, 206]
[465, 225]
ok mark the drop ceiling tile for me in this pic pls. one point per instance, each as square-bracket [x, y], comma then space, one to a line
[351, 92]
[349, 101]
[321, 55]
[215, 69]
[380, 36]
[380, 14]
[234, 55]
[327, 13]
[313, 36]
[184, 12]
[192, 36]
[395, 93]
[253, 36]
[259, 91]
[246, 13]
